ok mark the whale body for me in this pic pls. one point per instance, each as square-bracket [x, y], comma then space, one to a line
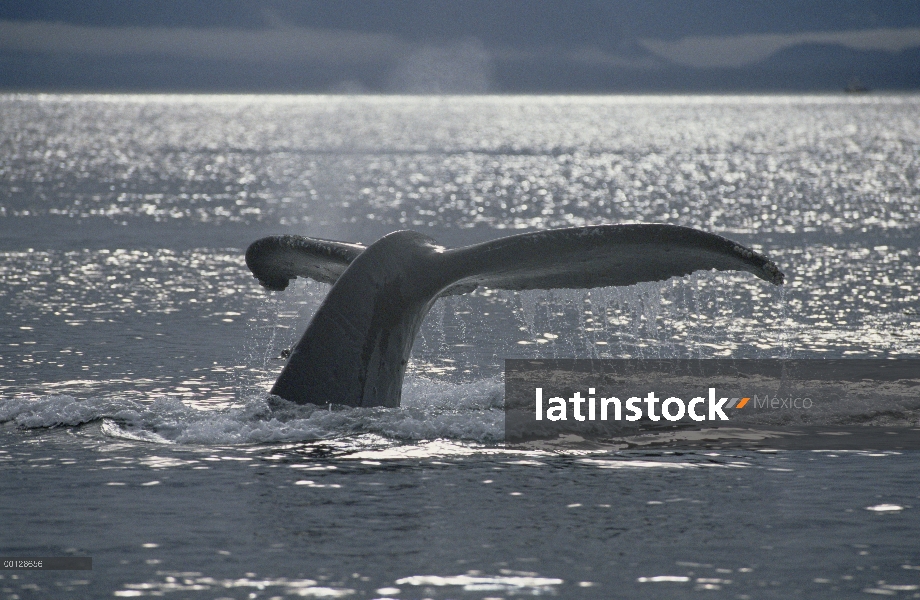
[356, 348]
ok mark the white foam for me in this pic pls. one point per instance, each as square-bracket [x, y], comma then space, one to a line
[431, 410]
[885, 508]
[470, 583]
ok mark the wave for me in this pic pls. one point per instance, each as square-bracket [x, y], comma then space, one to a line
[431, 410]
[456, 414]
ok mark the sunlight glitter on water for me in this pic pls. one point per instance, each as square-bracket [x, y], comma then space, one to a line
[137, 349]
[194, 582]
[191, 324]
[745, 166]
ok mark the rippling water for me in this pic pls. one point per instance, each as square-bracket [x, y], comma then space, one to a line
[136, 349]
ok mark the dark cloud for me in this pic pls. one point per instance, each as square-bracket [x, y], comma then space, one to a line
[512, 22]
[276, 45]
[458, 45]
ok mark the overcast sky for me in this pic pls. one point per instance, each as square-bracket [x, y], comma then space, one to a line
[466, 46]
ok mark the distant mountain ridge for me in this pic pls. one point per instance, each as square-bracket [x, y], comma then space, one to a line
[826, 66]
[801, 68]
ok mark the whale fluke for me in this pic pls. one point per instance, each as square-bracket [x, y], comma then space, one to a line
[356, 348]
[277, 259]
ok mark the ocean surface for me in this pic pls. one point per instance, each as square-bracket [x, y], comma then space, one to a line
[136, 349]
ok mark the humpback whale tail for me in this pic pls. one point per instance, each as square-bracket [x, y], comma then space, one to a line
[356, 348]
